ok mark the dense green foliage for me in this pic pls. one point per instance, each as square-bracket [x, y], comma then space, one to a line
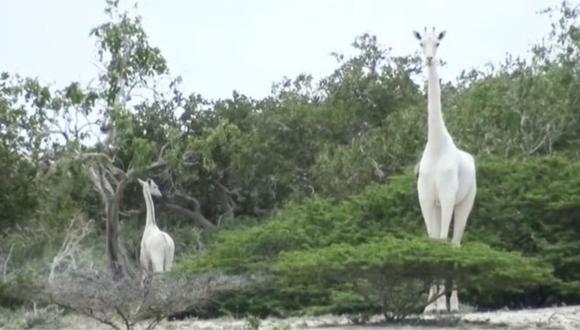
[393, 275]
[526, 206]
[313, 179]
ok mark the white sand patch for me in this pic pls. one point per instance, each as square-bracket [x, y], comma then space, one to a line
[556, 318]
[542, 318]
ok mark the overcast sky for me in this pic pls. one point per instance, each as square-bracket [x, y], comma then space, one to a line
[218, 46]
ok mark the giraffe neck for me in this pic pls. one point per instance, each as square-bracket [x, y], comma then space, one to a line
[150, 217]
[437, 132]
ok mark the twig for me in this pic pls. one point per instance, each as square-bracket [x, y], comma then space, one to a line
[155, 322]
[133, 171]
[88, 155]
[89, 313]
[542, 141]
[69, 245]
[123, 317]
[129, 213]
[4, 270]
[99, 182]
[194, 215]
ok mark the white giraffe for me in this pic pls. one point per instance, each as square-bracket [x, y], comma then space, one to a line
[446, 180]
[157, 247]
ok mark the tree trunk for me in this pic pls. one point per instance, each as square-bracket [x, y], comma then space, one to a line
[111, 206]
[225, 203]
[117, 259]
[113, 249]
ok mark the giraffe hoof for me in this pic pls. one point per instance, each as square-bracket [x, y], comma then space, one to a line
[430, 310]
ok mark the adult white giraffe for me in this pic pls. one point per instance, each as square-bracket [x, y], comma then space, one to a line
[157, 247]
[446, 182]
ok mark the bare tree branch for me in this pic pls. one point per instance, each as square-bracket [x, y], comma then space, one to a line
[5, 266]
[77, 230]
[88, 313]
[124, 303]
[98, 183]
[190, 199]
[196, 215]
[547, 136]
[226, 201]
[123, 317]
[134, 171]
[88, 155]
[129, 213]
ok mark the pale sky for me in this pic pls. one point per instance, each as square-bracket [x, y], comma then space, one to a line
[218, 46]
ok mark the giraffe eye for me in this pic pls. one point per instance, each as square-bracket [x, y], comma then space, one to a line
[437, 45]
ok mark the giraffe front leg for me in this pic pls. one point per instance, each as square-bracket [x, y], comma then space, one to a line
[432, 307]
[441, 304]
[454, 301]
[437, 298]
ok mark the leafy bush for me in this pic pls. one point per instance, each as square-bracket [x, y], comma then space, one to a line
[532, 206]
[393, 274]
[125, 303]
[315, 223]
[527, 206]
[35, 318]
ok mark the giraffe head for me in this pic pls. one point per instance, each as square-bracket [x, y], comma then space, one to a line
[153, 189]
[429, 42]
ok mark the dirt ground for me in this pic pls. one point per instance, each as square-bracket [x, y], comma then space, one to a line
[556, 318]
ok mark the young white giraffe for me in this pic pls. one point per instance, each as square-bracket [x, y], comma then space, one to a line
[446, 180]
[157, 247]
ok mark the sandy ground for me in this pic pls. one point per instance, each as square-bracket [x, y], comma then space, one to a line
[565, 318]
[544, 318]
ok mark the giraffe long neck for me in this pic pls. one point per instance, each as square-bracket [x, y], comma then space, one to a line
[150, 217]
[437, 132]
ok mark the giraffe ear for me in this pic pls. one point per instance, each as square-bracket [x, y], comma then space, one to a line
[141, 182]
[417, 35]
[441, 35]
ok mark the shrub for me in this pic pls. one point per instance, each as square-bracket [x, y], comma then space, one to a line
[125, 303]
[533, 207]
[393, 274]
[314, 223]
[528, 206]
[31, 318]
